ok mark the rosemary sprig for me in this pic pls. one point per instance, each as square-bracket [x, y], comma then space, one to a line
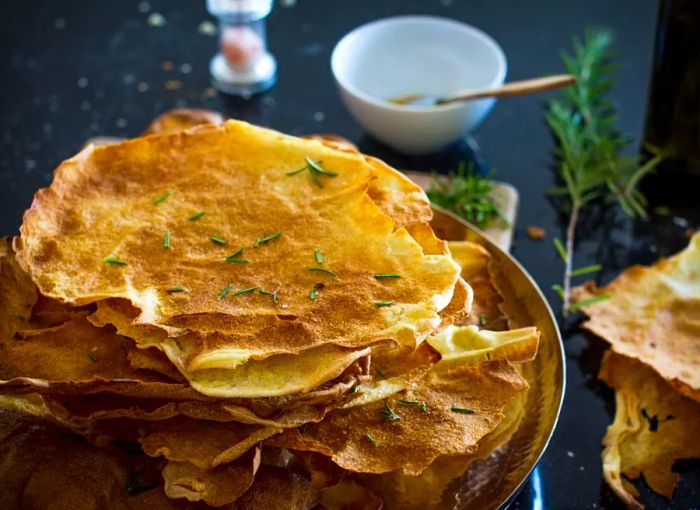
[162, 197]
[389, 414]
[111, 259]
[589, 149]
[196, 216]
[267, 239]
[468, 194]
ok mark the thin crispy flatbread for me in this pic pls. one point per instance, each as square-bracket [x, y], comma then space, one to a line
[653, 315]
[462, 406]
[654, 427]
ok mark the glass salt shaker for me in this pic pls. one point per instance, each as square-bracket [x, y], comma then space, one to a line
[243, 66]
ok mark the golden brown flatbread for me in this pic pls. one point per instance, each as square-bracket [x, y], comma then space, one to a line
[653, 315]
[654, 427]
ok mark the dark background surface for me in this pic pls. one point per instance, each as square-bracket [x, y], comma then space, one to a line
[71, 70]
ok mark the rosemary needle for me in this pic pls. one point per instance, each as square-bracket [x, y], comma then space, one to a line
[196, 216]
[483, 319]
[316, 166]
[322, 270]
[245, 291]
[389, 414]
[271, 295]
[114, 261]
[166, 240]
[225, 292]
[409, 402]
[423, 407]
[386, 276]
[218, 240]
[92, 356]
[267, 239]
[162, 198]
[318, 256]
[371, 439]
[176, 289]
[383, 304]
[463, 410]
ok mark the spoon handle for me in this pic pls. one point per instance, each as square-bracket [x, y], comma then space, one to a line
[513, 88]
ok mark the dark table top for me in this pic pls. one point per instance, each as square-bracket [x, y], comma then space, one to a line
[75, 69]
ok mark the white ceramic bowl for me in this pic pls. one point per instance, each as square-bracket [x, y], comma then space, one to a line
[391, 57]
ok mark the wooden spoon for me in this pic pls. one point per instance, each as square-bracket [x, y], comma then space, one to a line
[514, 88]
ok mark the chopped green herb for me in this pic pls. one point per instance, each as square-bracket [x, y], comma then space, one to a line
[296, 172]
[234, 255]
[271, 295]
[267, 239]
[178, 288]
[371, 439]
[383, 304]
[92, 356]
[560, 249]
[380, 373]
[355, 389]
[166, 240]
[162, 198]
[389, 414]
[589, 301]
[304, 428]
[318, 256]
[594, 268]
[245, 291]
[238, 261]
[196, 216]
[423, 407]
[315, 171]
[225, 292]
[218, 240]
[313, 293]
[385, 276]
[463, 410]
[20, 317]
[409, 402]
[483, 319]
[322, 270]
[559, 290]
[317, 167]
[114, 261]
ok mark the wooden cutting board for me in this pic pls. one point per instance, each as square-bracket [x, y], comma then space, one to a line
[505, 196]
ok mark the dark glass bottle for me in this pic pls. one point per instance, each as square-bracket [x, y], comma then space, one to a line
[673, 112]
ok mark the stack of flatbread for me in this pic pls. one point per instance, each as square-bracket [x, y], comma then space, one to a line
[230, 317]
[651, 318]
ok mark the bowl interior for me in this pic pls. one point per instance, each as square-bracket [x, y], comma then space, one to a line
[416, 54]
